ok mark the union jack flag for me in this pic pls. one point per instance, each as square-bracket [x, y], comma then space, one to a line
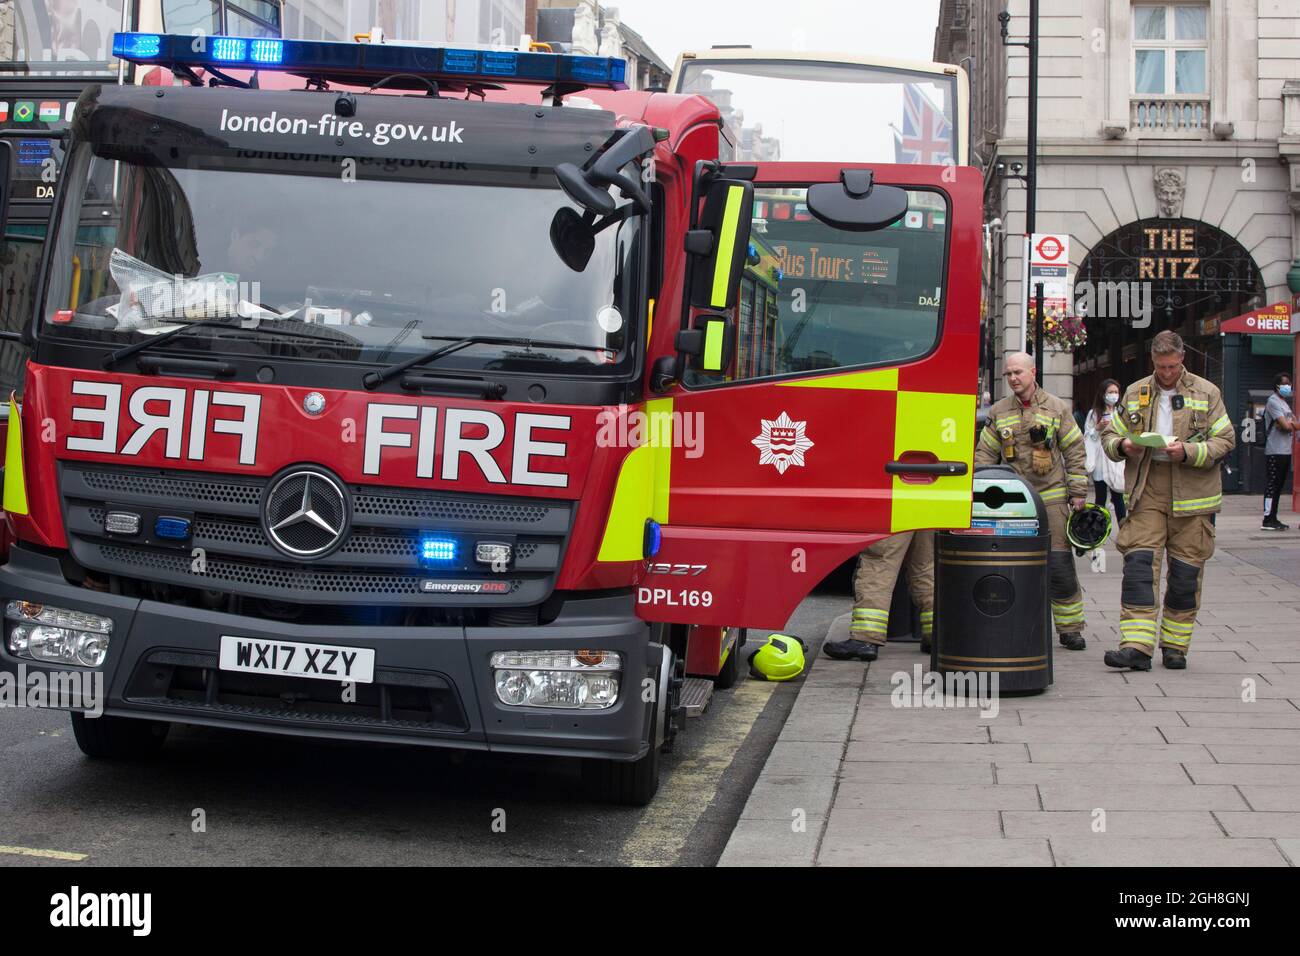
[926, 138]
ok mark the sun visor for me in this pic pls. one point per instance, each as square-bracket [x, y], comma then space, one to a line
[130, 121]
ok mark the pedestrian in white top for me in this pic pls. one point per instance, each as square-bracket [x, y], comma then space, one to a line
[1107, 475]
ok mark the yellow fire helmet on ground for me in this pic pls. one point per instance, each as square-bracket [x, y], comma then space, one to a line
[780, 658]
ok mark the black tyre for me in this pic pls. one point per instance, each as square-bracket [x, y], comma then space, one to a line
[730, 672]
[632, 783]
[118, 738]
[628, 783]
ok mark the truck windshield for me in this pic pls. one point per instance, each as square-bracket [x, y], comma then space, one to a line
[802, 110]
[377, 260]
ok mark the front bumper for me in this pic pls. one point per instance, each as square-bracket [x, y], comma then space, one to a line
[433, 685]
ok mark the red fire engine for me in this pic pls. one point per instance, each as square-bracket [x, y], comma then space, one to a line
[426, 402]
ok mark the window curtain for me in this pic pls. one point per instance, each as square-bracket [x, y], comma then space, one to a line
[1149, 71]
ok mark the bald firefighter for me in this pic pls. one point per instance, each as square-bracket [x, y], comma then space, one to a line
[873, 591]
[1035, 433]
[1172, 492]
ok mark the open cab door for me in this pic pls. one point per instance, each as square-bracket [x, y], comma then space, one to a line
[830, 388]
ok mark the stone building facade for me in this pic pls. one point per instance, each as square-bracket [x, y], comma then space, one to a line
[1167, 132]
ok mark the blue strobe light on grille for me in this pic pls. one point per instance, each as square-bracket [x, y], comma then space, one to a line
[437, 550]
[177, 529]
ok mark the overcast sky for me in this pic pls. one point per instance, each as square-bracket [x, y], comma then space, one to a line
[897, 28]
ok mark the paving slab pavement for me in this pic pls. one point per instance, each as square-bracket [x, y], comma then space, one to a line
[1105, 768]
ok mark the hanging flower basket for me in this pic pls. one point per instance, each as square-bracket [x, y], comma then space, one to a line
[1064, 332]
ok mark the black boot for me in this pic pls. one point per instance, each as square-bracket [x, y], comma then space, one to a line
[925, 645]
[1129, 657]
[1174, 659]
[1073, 641]
[851, 650]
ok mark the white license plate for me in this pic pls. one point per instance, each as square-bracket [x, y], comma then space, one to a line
[318, 661]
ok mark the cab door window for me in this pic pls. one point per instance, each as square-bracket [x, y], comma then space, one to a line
[817, 299]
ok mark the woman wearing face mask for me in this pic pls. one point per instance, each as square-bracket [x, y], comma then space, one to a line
[1106, 474]
[1280, 422]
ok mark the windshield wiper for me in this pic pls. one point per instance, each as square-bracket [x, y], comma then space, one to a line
[115, 358]
[373, 380]
[120, 355]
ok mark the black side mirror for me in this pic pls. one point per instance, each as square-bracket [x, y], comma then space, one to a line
[856, 203]
[573, 237]
[587, 187]
[577, 187]
[710, 344]
[722, 241]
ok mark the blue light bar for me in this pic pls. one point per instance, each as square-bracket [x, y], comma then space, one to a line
[266, 52]
[229, 49]
[136, 46]
[437, 550]
[372, 60]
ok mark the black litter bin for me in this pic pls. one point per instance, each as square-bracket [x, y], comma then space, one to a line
[992, 611]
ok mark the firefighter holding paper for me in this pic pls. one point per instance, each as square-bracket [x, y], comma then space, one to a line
[1172, 430]
[1035, 433]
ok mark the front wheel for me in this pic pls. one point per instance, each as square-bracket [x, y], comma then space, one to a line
[629, 783]
[118, 738]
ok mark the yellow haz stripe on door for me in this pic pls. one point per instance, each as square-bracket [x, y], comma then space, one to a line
[643, 483]
[726, 246]
[880, 380]
[942, 423]
[15, 486]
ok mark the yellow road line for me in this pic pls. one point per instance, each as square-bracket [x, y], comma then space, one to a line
[44, 854]
[684, 796]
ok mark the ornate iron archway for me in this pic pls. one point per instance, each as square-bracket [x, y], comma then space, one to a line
[1190, 265]
[1188, 271]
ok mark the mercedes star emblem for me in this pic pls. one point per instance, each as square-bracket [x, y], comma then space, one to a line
[306, 513]
[314, 403]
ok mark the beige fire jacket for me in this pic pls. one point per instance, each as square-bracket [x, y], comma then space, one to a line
[1203, 426]
[1069, 473]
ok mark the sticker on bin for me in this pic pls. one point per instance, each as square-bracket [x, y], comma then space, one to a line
[1016, 527]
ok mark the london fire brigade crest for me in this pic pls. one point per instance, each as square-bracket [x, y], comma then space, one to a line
[782, 443]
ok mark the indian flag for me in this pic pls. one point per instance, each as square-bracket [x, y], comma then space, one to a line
[51, 111]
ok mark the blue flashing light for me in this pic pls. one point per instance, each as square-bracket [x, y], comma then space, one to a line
[136, 46]
[229, 49]
[367, 60]
[176, 529]
[501, 64]
[654, 537]
[460, 61]
[437, 550]
[266, 52]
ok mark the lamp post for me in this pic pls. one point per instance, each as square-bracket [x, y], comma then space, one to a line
[1031, 172]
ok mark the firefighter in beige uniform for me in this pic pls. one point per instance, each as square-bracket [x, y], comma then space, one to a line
[1172, 492]
[873, 591]
[1035, 433]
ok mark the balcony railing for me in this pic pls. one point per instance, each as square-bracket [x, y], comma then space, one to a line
[1168, 116]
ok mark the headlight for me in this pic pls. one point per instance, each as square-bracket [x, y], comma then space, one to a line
[57, 635]
[584, 679]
